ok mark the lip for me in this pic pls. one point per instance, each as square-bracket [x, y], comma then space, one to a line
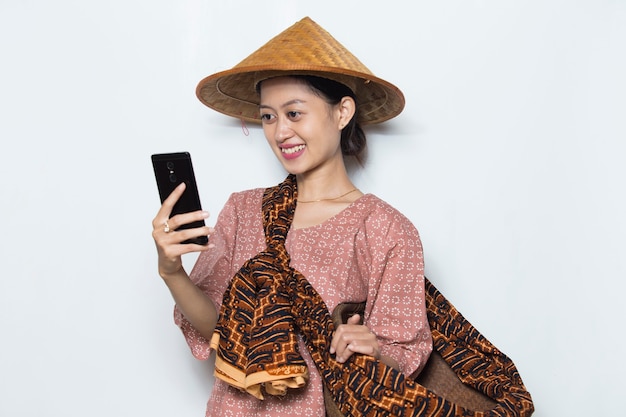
[292, 151]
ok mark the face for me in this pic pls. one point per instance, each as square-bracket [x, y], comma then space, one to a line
[303, 130]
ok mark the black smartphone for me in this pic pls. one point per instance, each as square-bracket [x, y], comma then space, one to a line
[171, 169]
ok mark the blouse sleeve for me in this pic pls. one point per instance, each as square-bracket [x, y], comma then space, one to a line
[396, 306]
[212, 273]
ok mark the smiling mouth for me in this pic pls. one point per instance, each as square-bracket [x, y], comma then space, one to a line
[292, 149]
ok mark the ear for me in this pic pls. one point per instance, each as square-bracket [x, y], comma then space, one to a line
[346, 109]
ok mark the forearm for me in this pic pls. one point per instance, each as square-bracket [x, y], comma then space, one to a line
[196, 306]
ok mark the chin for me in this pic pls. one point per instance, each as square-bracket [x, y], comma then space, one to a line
[292, 168]
[293, 171]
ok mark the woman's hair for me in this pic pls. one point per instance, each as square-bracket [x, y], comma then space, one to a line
[353, 141]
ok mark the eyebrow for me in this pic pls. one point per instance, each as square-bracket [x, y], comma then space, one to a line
[289, 103]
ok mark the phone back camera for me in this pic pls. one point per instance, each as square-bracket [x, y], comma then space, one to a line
[170, 165]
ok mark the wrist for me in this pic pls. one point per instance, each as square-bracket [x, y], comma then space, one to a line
[172, 277]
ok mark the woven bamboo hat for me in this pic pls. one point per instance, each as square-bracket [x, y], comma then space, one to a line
[304, 48]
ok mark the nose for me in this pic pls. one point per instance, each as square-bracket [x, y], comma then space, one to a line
[283, 130]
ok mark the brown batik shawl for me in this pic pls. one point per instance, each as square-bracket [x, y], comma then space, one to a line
[268, 302]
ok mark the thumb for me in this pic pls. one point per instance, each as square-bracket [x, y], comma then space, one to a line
[355, 319]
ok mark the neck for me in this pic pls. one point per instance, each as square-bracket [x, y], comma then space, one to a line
[323, 187]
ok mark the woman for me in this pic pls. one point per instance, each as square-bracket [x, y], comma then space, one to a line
[349, 246]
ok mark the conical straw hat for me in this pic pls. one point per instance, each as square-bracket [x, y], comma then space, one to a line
[304, 48]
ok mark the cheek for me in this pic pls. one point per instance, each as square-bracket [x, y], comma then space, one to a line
[333, 140]
[268, 133]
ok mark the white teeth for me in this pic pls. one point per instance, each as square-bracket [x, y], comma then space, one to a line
[293, 149]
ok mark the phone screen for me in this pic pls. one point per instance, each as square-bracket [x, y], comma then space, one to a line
[171, 169]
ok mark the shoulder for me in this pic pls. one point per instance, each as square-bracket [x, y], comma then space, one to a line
[375, 203]
[242, 204]
[383, 227]
[246, 196]
[377, 211]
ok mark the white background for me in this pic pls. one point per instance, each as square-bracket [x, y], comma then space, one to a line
[509, 158]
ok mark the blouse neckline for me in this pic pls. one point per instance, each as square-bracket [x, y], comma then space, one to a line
[349, 208]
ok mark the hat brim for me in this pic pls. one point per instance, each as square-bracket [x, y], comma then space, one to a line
[233, 92]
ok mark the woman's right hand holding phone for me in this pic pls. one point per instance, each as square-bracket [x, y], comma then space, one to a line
[169, 241]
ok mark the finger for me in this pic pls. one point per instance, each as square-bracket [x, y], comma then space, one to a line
[344, 355]
[168, 204]
[186, 218]
[350, 339]
[343, 336]
[185, 235]
[171, 226]
[364, 346]
[165, 241]
[354, 319]
[170, 244]
[175, 195]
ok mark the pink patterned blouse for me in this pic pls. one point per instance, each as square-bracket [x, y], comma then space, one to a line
[369, 251]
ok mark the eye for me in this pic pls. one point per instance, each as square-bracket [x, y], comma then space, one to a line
[294, 115]
[267, 118]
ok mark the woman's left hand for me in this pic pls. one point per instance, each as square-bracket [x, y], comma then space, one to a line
[353, 337]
